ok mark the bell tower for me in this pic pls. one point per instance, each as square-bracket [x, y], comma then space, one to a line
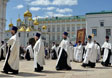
[3, 4]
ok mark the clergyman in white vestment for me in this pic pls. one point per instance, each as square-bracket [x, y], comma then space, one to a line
[29, 52]
[12, 58]
[53, 52]
[39, 53]
[107, 53]
[79, 52]
[63, 61]
[2, 50]
[91, 55]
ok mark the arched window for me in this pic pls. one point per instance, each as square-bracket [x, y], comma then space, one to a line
[27, 34]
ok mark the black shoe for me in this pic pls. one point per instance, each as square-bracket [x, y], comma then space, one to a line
[37, 70]
[103, 64]
[6, 72]
[92, 66]
[69, 68]
[58, 69]
[15, 73]
[84, 65]
[41, 68]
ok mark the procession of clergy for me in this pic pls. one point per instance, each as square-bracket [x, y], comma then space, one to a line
[88, 53]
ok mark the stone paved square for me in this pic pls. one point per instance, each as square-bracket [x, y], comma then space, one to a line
[26, 70]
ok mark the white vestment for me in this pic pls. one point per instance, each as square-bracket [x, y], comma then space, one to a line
[30, 50]
[54, 52]
[71, 53]
[75, 52]
[106, 47]
[4, 50]
[79, 53]
[13, 59]
[97, 49]
[54, 47]
[66, 46]
[90, 53]
[39, 53]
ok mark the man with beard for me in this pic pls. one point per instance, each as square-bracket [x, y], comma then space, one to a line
[91, 54]
[107, 53]
[63, 62]
[39, 54]
[12, 58]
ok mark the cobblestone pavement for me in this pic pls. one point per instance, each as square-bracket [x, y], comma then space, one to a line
[26, 70]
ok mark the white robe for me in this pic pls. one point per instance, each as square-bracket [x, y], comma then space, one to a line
[94, 53]
[84, 52]
[75, 52]
[39, 53]
[71, 53]
[57, 48]
[64, 45]
[54, 47]
[13, 60]
[54, 54]
[97, 49]
[79, 53]
[106, 47]
[29, 47]
[4, 50]
[90, 53]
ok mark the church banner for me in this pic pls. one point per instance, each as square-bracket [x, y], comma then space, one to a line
[81, 35]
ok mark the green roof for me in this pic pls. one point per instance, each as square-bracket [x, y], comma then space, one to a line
[61, 18]
[102, 12]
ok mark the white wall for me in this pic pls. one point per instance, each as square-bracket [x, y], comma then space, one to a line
[93, 22]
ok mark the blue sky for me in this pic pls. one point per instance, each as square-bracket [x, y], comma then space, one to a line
[49, 8]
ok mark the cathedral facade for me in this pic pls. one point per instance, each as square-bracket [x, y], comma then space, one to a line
[50, 28]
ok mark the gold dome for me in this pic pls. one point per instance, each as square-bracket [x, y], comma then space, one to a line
[36, 22]
[18, 20]
[22, 29]
[27, 14]
[29, 29]
[44, 27]
[10, 25]
[30, 19]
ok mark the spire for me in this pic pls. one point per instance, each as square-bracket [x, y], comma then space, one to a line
[28, 7]
[36, 21]
[18, 20]
[10, 25]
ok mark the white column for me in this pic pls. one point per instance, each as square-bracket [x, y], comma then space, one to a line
[2, 18]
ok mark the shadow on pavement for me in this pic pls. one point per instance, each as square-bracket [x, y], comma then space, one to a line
[5, 75]
[51, 72]
[24, 74]
[103, 68]
[80, 70]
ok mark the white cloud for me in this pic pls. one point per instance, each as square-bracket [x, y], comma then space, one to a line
[20, 6]
[35, 8]
[40, 2]
[65, 2]
[39, 17]
[49, 8]
[51, 14]
[54, 2]
[63, 10]
[61, 15]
